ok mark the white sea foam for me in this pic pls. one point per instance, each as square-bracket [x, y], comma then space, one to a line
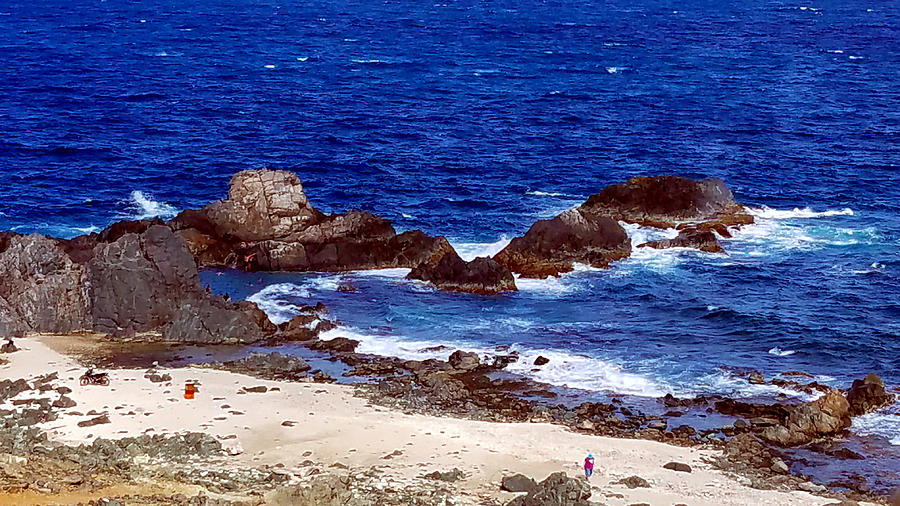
[398, 273]
[471, 250]
[144, 207]
[778, 352]
[364, 61]
[884, 423]
[551, 286]
[408, 216]
[539, 193]
[724, 382]
[796, 213]
[269, 66]
[614, 70]
[271, 300]
[302, 58]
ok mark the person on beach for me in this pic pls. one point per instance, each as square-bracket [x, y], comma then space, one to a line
[588, 466]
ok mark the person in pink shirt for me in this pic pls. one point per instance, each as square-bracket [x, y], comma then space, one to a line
[588, 467]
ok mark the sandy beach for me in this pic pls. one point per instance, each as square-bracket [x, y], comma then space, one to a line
[300, 425]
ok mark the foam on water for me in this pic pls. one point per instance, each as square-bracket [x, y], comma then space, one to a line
[144, 207]
[726, 383]
[539, 193]
[271, 300]
[468, 251]
[884, 423]
[779, 229]
[785, 214]
[778, 352]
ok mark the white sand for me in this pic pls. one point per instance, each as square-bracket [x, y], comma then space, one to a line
[335, 426]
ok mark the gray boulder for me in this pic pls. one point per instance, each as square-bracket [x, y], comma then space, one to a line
[557, 490]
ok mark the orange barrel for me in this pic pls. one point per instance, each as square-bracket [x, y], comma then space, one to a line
[189, 390]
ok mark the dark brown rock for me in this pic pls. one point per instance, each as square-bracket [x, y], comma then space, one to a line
[558, 489]
[541, 360]
[483, 276]
[678, 466]
[94, 421]
[552, 247]
[517, 483]
[665, 201]
[634, 482]
[338, 344]
[464, 360]
[689, 238]
[867, 395]
[826, 416]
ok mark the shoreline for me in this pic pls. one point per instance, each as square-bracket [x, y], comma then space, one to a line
[339, 428]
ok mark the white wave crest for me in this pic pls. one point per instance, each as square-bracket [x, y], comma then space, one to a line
[539, 193]
[271, 300]
[884, 423]
[778, 352]
[796, 213]
[469, 251]
[144, 207]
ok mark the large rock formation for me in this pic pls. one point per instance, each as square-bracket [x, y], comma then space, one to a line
[867, 395]
[483, 275]
[551, 247]
[665, 201]
[826, 416]
[558, 489]
[267, 223]
[703, 240]
[41, 288]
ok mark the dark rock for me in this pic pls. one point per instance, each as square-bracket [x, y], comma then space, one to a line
[517, 483]
[756, 378]
[261, 389]
[634, 482]
[43, 289]
[63, 402]
[557, 490]
[8, 347]
[94, 421]
[541, 360]
[483, 276]
[10, 388]
[454, 475]
[158, 378]
[551, 247]
[338, 345]
[666, 201]
[678, 466]
[867, 395]
[689, 238]
[273, 366]
[464, 360]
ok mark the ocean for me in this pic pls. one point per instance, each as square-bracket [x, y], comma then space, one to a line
[474, 119]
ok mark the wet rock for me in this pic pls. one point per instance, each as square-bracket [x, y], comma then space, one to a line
[94, 421]
[541, 360]
[482, 276]
[338, 345]
[666, 201]
[867, 395]
[634, 482]
[517, 483]
[756, 378]
[556, 490]
[464, 360]
[689, 238]
[678, 466]
[551, 247]
[454, 475]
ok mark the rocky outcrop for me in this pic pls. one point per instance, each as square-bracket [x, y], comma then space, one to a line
[267, 223]
[273, 366]
[666, 201]
[552, 247]
[483, 276]
[557, 490]
[41, 288]
[826, 416]
[867, 395]
[702, 240]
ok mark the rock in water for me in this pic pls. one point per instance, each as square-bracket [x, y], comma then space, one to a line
[42, 288]
[267, 223]
[551, 247]
[483, 275]
[557, 490]
[665, 201]
[702, 240]
[867, 395]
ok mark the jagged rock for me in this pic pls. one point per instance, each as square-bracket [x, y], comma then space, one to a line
[557, 490]
[464, 360]
[212, 320]
[63, 402]
[634, 482]
[826, 416]
[8, 347]
[158, 378]
[337, 345]
[867, 395]
[678, 466]
[517, 483]
[9, 388]
[689, 238]
[267, 223]
[541, 360]
[454, 475]
[42, 288]
[551, 247]
[483, 275]
[94, 421]
[666, 201]
[778, 466]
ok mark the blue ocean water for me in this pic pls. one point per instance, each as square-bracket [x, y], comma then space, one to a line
[474, 119]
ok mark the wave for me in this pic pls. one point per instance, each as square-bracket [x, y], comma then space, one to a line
[778, 352]
[726, 383]
[884, 423]
[468, 251]
[796, 213]
[274, 301]
[539, 193]
[144, 207]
